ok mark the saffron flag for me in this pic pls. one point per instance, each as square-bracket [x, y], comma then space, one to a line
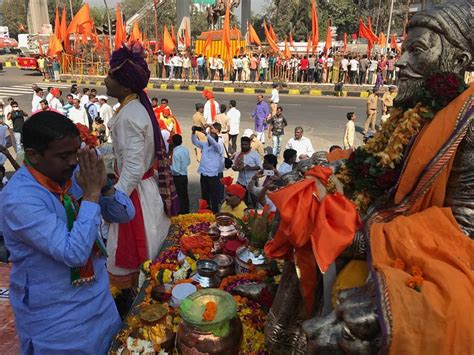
[168, 43]
[187, 36]
[394, 44]
[287, 52]
[272, 33]
[80, 21]
[314, 25]
[173, 35]
[55, 45]
[63, 28]
[135, 35]
[253, 37]
[208, 44]
[269, 38]
[226, 30]
[96, 38]
[328, 43]
[382, 40]
[369, 24]
[344, 49]
[57, 24]
[291, 40]
[308, 44]
[364, 32]
[120, 34]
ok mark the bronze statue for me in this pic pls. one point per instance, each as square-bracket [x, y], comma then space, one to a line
[438, 40]
[218, 10]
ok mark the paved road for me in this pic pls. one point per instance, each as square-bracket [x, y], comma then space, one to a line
[323, 118]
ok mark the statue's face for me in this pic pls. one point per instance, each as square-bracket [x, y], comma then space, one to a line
[421, 58]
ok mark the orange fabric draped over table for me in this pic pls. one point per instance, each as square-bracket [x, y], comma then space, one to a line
[318, 232]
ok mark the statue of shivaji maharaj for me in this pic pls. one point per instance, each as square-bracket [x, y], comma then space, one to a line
[390, 229]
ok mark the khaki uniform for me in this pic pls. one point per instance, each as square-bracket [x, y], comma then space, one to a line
[224, 121]
[387, 102]
[257, 146]
[372, 105]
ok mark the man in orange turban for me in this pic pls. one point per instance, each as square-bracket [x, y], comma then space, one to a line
[211, 108]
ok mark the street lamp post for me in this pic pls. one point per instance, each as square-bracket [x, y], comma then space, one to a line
[109, 23]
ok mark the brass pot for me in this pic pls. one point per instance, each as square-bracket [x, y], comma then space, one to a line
[193, 341]
[225, 265]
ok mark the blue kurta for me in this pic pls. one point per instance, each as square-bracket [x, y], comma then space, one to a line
[52, 316]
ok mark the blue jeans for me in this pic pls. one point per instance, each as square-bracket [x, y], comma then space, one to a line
[277, 144]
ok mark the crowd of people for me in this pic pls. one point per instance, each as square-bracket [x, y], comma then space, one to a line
[254, 67]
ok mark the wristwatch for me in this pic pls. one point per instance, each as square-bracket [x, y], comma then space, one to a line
[108, 187]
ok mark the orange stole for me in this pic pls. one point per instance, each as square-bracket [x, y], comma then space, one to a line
[439, 319]
[427, 144]
[317, 231]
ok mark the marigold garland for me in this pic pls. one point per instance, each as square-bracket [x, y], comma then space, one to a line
[210, 312]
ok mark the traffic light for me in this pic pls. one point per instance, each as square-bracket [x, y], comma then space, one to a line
[114, 27]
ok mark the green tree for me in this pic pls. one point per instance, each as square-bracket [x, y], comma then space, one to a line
[16, 18]
[99, 15]
[76, 5]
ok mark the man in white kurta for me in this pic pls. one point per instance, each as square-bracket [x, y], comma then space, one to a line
[137, 147]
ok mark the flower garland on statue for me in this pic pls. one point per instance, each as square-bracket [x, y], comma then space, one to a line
[373, 170]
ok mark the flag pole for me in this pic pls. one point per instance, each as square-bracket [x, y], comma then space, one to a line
[389, 25]
[109, 23]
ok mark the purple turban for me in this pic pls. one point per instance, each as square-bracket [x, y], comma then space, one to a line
[129, 68]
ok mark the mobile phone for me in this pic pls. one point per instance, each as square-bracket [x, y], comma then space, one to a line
[268, 173]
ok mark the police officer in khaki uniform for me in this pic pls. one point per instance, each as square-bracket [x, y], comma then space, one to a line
[372, 105]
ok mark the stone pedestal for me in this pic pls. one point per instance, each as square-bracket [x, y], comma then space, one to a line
[38, 18]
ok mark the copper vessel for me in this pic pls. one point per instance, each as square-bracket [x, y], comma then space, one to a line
[192, 341]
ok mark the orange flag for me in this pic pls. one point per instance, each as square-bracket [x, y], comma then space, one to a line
[120, 35]
[173, 35]
[57, 24]
[394, 44]
[364, 32]
[269, 38]
[63, 27]
[345, 43]
[95, 38]
[187, 36]
[328, 43]
[253, 37]
[40, 47]
[81, 18]
[135, 35]
[308, 44]
[55, 45]
[314, 25]
[272, 33]
[369, 24]
[291, 40]
[207, 44]
[382, 40]
[168, 43]
[287, 52]
[107, 48]
[226, 29]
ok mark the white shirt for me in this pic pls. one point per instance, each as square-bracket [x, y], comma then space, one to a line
[49, 97]
[56, 104]
[263, 63]
[78, 116]
[354, 65]
[344, 64]
[284, 168]
[330, 62]
[234, 121]
[106, 113]
[186, 63]
[302, 147]
[219, 64]
[349, 135]
[6, 110]
[212, 63]
[166, 137]
[84, 100]
[35, 104]
[373, 65]
[207, 111]
[275, 96]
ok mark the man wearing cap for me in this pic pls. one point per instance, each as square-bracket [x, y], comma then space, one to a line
[138, 148]
[387, 99]
[55, 104]
[255, 144]
[247, 162]
[199, 121]
[211, 107]
[372, 105]
[234, 198]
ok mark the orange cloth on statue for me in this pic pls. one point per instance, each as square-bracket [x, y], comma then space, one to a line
[426, 146]
[439, 319]
[318, 231]
[338, 154]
